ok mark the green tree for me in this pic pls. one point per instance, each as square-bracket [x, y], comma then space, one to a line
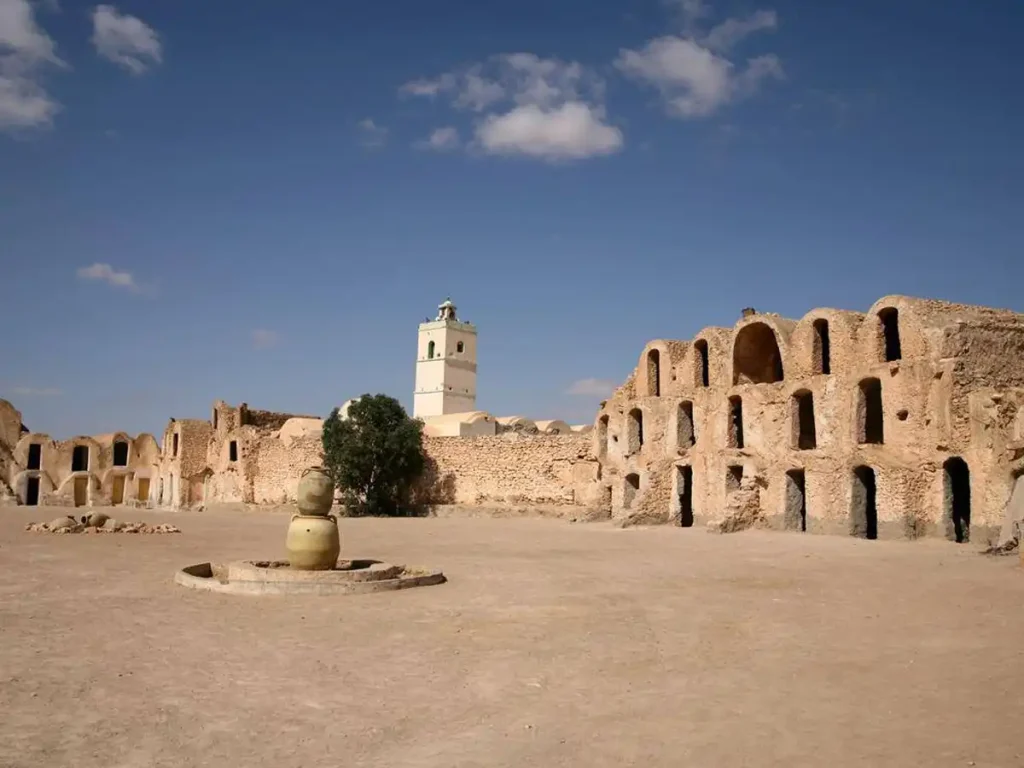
[375, 455]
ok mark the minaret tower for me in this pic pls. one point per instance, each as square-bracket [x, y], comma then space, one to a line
[445, 365]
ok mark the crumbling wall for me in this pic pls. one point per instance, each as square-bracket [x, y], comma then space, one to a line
[931, 371]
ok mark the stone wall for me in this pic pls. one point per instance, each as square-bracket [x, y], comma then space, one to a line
[515, 469]
[947, 381]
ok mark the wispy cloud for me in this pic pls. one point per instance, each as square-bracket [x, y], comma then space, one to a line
[26, 52]
[109, 275]
[693, 74]
[265, 339]
[371, 134]
[441, 140]
[36, 391]
[125, 40]
[542, 108]
[591, 388]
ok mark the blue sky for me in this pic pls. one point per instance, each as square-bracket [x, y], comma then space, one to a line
[258, 201]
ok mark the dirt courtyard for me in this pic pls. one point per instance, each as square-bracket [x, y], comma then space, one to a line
[551, 645]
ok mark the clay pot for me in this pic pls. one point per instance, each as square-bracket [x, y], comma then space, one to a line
[315, 493]
[313, 543]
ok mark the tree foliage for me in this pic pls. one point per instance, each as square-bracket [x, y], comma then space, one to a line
[375, 455]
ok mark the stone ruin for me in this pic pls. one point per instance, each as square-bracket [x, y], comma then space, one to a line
[902, 421]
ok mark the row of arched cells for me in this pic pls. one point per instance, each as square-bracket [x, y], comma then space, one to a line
[757, 359]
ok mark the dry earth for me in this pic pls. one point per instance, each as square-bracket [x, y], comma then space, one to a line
[552, 645]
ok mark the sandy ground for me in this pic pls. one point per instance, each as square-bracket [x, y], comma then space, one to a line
[552, 645]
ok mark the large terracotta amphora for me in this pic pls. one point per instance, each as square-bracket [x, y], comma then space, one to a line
[313, 542]
[315, 493]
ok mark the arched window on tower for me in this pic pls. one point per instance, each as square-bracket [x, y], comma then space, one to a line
[430, 351]
[654, 373]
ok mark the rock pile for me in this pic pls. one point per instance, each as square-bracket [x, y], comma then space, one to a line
[98, 523]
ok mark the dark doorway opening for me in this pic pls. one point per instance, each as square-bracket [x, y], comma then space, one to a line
[703, 377]
[233, 451]
[733, 478]
[890, 319]
[35, 456]
[796, 501]
[957, 488]
[654, 373]
[80, 459]
[863, 509]
[630, 490]
[32, 492]
[735, 422]
[684, 488]
[806, 434]
[870, 421]
[120, 454]
[822, 347]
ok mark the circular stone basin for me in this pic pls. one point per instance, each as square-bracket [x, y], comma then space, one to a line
[276, 577]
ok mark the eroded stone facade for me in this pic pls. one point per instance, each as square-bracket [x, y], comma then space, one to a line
[902, 421]
[108, 470]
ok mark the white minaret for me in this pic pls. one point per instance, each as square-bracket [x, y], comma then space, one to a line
[445, 365]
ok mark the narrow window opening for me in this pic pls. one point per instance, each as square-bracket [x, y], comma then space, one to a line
[214, 418]
[684, 491]
[654, 373]
[863, 506]
[870, 420]
[735, 422]
[957, 501]
[733, 478]
[80, 459]
[635, 431]
[430, 351]
[630, 490]
[460, 347]
[602, 437]
[822, 348]
[35, 455]
[796, 501]
[174, 453]
[684, 425]
[703, 376]
[890, 319]
[120, 454]
[805, 435]
[233, 450]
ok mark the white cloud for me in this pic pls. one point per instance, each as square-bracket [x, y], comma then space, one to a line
[441, 140]
[591, 388]
[691, 11]
[423, 87]
[572, 131]
[109, 275]
[25, 52]
[373, 135]
[125, 40]
[693, 80]
[264, 339]
[732, 31]
[36, 391]
[542, 108]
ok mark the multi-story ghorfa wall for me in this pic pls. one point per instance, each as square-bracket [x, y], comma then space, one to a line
[895, 422]
[110, 469]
